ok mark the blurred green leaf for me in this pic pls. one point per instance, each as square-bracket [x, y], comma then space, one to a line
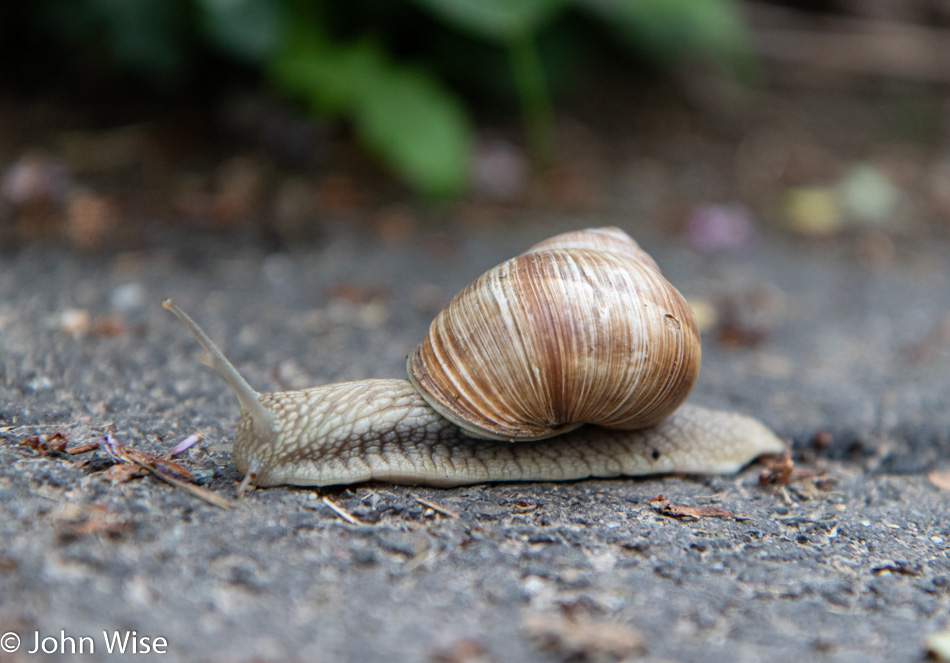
[419, 128]
[670, 29]
[514, 24]
[250, 29]
[409, 118]
[406, 116]
[497, 20]
[328, 76]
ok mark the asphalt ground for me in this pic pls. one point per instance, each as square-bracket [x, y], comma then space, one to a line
[843, 353]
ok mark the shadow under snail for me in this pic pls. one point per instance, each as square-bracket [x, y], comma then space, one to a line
[571, 360]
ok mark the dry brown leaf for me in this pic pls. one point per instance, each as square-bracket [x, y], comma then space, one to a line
[781, 470]
[58, 440]
[665, 508]
[940, 479]
[33, 442]
[464, 650]
[583, 640]
[78, 520]
[777, 470]
[123, 472]
[48, 444]
[108, 326]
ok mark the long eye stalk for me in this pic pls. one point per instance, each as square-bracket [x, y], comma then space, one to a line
[246, 395]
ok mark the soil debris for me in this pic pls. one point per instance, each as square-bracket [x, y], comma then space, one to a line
[463, 650]
[940, 479]
[46, 445]
[582, 639]
[683, 512]
[75, 521]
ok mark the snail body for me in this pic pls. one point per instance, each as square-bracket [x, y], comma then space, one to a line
[580, 329]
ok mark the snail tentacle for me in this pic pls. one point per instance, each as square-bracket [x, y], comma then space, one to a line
[248, 398]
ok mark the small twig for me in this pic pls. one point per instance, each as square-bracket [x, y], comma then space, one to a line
[441, 509]
[197, 491]
[82, 448]
[343, 513]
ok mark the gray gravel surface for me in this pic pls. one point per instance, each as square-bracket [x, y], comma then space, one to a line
[851, 567]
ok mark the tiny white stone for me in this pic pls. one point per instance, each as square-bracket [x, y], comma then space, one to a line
[128, 297]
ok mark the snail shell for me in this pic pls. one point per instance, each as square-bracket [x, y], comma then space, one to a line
[581, 328]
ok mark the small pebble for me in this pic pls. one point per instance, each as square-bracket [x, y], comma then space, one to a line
[75, 321]
[128, 297]
[278, 269]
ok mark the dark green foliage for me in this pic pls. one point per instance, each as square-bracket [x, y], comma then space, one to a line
[383, 66]
[249, 29]
[146, 36]
[404, 114]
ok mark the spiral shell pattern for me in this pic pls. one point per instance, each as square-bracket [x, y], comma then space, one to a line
[559, 337]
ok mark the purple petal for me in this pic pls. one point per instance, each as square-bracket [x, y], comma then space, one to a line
[187, 443]
[712, 228]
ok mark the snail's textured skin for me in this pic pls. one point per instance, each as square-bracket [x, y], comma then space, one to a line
[383, 430]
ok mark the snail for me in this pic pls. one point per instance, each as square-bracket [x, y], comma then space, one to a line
[571, 360]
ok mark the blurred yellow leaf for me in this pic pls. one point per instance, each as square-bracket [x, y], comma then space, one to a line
[813, 211]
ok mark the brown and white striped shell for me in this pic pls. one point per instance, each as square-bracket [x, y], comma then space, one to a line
[581, 328]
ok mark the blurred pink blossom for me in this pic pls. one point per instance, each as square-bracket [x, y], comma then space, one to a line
[500, 169]
[712, 228]
[35, 177]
